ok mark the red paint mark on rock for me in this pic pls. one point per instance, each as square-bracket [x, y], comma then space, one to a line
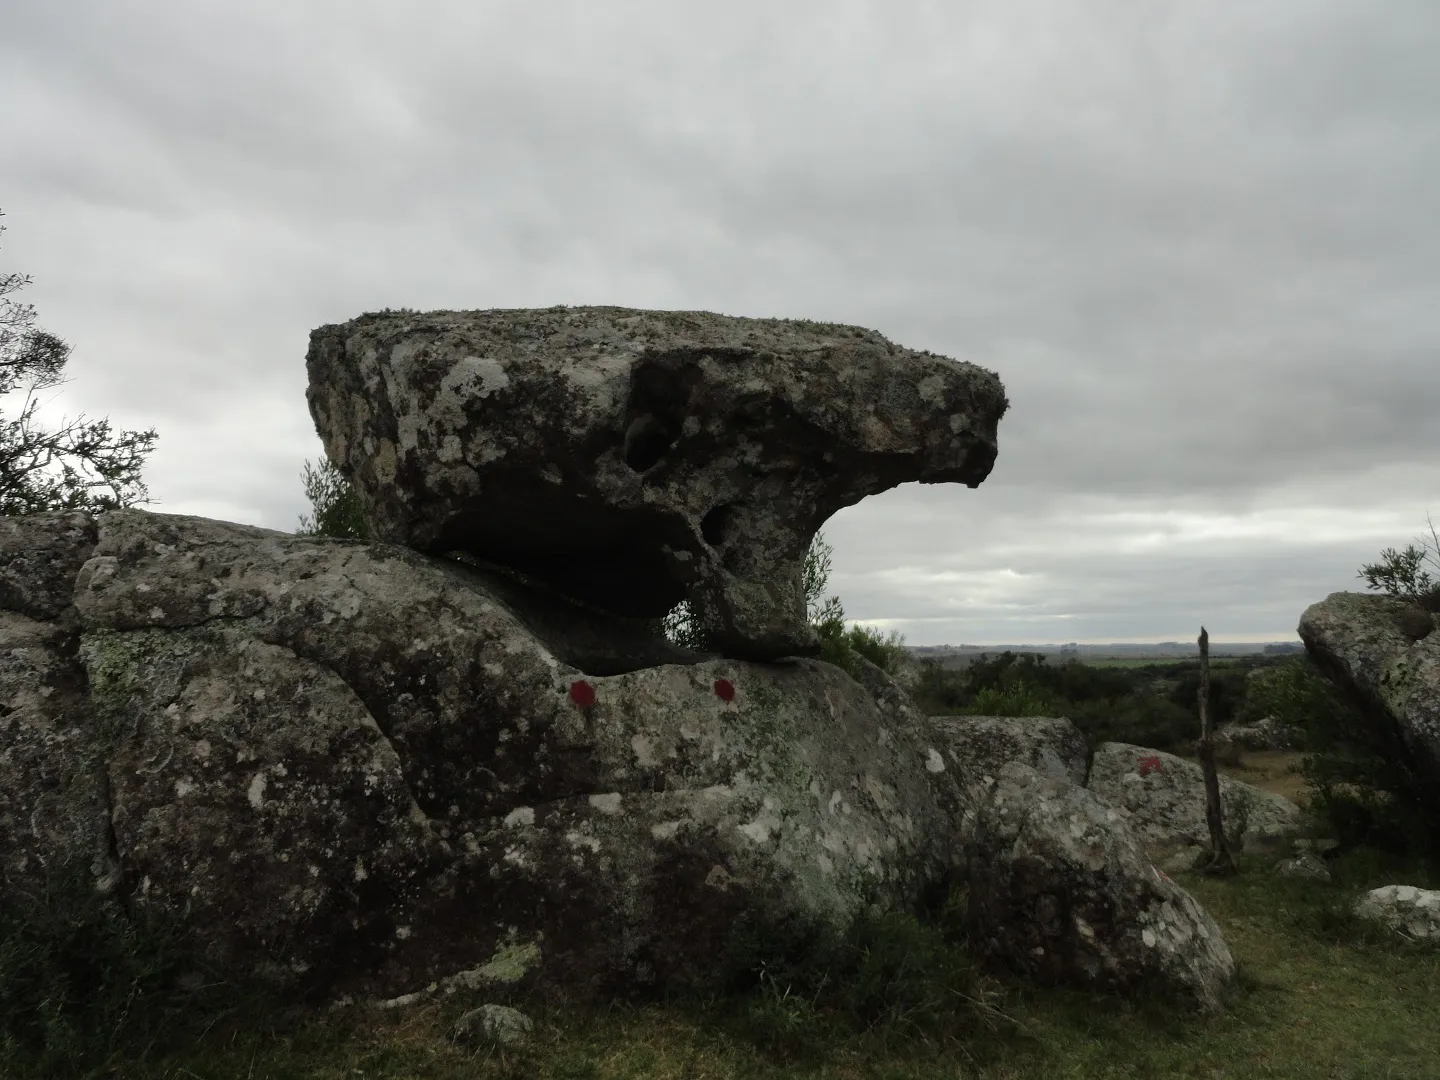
[724, 689]
[582, 693]
[1149, 765]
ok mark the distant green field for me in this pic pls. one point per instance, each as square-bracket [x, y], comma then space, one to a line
[1131, 661]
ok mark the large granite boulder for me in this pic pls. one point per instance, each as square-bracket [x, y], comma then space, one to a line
[1163, 799]
[1382, 654]
[633, 459]
[354, 768]
[1060, 890]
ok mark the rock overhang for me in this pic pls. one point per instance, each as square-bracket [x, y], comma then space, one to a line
[633, 459]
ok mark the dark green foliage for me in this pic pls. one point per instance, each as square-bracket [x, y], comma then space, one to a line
[83, 465]
[839, 645]
[1358, 765]
[82, 983]
[893, 975]
[335, 505]
[1106, 704]
[1399, 573]
[1227, 693]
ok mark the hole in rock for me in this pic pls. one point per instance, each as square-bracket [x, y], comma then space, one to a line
[660, 392]
[716, 526]
[646, 440]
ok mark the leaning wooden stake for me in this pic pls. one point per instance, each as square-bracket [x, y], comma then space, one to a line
[1221, 861]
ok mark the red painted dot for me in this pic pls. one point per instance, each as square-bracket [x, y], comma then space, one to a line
[724, 689]
[582, 693]
[1149, 765]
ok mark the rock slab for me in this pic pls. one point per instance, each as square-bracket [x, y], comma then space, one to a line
[633, 459]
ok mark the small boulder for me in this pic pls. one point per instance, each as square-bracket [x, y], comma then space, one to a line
[1060, 891]
[1404, 910]
[1163, 797]
[498, 1024]
[1266, 733]
[1304, 864]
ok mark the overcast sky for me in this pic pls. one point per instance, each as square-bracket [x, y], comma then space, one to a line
[1199, 242]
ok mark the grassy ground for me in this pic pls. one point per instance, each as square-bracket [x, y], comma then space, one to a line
[1319, 999]
[1151, 661]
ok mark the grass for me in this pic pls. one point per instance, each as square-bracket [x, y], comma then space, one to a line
[1152, 661]
[1269, 770]
[1321, 998]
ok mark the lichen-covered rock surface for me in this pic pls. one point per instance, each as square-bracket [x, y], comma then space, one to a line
[1404, 910]
[1366, 646]
[636, 458]
[978, 747]
[1163, 798]
[355, 768]
[1060, 890]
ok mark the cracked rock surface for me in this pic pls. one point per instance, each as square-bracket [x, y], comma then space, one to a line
[1061, 891]
[356, 769]
[633, 459]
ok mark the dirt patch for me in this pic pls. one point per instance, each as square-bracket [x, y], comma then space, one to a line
[1269, 770]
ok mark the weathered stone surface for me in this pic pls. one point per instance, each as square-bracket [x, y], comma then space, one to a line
[1060, 890]
[498, 1024]
[54, 799]
[355, 767]
[1359, 642]
[1163, 797]
[1266, 733]
[980, 746]
[39, 557]
[1404, 910]
[976, 748]
[635, 458]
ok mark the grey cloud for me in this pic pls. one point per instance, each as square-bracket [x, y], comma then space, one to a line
[1198, 243]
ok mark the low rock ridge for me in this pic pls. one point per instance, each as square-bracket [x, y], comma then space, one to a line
[357, 770]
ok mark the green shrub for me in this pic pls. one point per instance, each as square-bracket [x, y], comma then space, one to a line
[1357, 764]
[891, 975]
[1017, 699]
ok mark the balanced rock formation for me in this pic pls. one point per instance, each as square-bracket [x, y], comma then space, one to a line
[633, 459]
[1060, 890]
[1373, 650]
[355, 768]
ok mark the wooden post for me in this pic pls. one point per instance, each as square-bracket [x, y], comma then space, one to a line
[1221, 861]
